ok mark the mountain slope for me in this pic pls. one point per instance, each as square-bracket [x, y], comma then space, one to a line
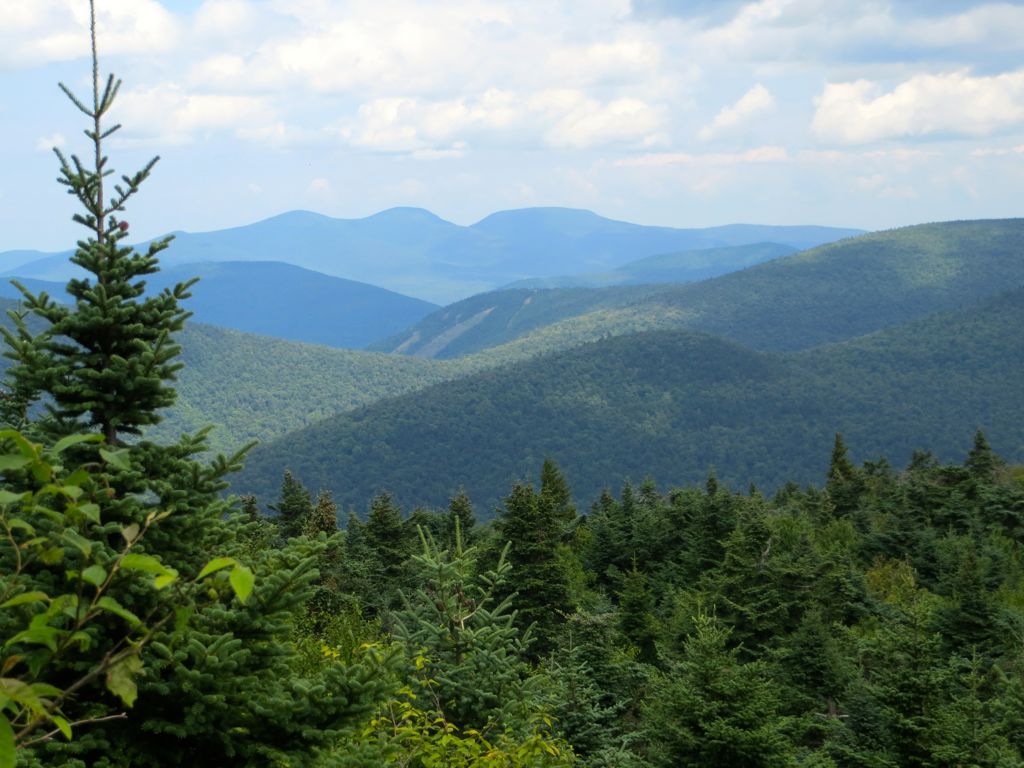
[826, 294]
[679, 267]
[490, 319]
[255, 387]
[279, 300]
[414, 252]
[675, 404]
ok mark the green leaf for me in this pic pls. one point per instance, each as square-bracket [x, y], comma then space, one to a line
[27, 597]
[111, 605]
[121, 679]
[95, 575]
[217, 564]
[90, 511]
[20, 524]
[39, 634]
[165, 580]
[144, 563]
[78, 541]
[66, 442]
[116, 459]
[242, 581]
[130, 532]
[13, 461]
[63, 725]
[9, 497]
[51, 555]
[27, 448]
[8, 756]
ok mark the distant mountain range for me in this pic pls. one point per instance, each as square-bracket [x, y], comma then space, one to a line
[682, 267]
[415, 253]
[279, 300]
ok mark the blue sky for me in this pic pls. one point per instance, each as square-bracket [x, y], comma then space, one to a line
[868, 114]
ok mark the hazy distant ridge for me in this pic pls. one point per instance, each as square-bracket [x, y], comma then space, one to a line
[416, 253]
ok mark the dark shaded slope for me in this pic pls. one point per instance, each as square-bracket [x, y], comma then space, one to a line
[280, 300]
[674, 404]
[289, 302]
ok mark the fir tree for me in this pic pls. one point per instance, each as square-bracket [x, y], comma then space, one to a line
[713, 710]
[294, 506]
[473, 657]
[460, 513]
[219, 685]
[540, 583]
[323, 518]
[982, 461]
[636, 615]
[843, 484]
[555, 496]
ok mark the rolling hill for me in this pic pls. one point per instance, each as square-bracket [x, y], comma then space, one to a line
[826, 294]
[490, 319]
[413, 252]
[255, 387]
[280, 300]
[676, 404]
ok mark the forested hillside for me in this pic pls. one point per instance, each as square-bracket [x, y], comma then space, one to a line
[490, 319]
[675, 405]
[834, 292]
[255, 387]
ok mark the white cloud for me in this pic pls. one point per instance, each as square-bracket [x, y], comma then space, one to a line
[46, 143]
[998, 151]
[36, 32]
[954, 103]
[580, 122]
[168, 113]
[765, 154]
[616, 61]
[757, 99]
[879, 185]
[563, 118]
[319, 186]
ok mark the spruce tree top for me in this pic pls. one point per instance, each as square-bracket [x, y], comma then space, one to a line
[107, 362]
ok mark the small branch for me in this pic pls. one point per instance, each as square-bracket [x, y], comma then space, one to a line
[90, 721]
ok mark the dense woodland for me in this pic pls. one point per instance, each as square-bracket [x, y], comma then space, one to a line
[672, 405]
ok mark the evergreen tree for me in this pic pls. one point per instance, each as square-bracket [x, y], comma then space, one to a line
[844, 481]
[460, 513]
[295, 506]
[636, 615]
[555, 496]
[541, 585]
[982, 461]
[472, 655]
[713, 710]
[387, 544]
[219, 685]
[323, 518]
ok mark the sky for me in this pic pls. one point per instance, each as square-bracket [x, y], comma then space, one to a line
[684, 113]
